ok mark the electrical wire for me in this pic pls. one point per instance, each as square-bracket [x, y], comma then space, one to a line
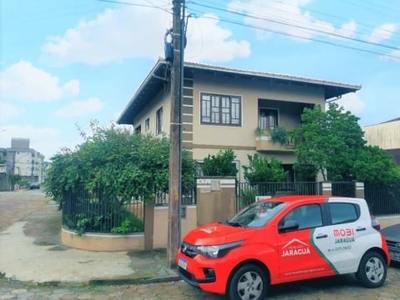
[136, 4]
[302, 37]
[336, 35]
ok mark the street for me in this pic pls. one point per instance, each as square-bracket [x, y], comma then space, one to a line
[17, 206]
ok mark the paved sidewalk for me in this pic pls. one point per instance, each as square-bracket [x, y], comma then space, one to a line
[31, 251]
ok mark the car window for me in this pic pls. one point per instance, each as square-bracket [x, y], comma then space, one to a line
[257, 214]
[307, 216]
[344, 212]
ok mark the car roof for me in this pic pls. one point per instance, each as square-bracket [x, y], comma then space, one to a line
[308, 198]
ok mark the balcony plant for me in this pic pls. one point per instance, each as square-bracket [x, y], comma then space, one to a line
[280, 135]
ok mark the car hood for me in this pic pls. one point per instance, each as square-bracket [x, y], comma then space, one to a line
[217, 234]
[392, 233]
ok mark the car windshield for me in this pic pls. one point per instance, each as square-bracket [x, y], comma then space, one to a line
[257, 214]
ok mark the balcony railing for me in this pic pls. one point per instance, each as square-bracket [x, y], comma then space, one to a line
[264, 143]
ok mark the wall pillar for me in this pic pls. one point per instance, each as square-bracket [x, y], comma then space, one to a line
[216, 199]
[326, 188]
[148, 225]
[360, 192]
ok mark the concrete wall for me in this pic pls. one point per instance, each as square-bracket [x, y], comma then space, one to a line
[385, 135]
[216, 200]
[102, 242]
[160, 234]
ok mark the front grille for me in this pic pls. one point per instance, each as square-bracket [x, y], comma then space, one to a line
[189, 250]
[394, 246]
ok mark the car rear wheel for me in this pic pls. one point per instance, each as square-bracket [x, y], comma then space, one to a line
[248, 282]
[372, 270]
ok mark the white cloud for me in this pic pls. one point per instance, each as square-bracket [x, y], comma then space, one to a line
[208, 41]
[288, 17]
[72, 87]
[352, 102]
[24, 82]
[348, 29]
[382, 32]
[132, 31]
[393, 55]
[80, 108]
[9, 112]
[115, 34]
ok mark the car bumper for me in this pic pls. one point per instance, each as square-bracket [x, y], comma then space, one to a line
[394, 250]
[203, 273]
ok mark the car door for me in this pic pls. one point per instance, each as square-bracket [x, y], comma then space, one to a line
[349, 234]
[299, 249]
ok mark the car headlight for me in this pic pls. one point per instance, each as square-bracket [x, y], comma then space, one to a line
[218, 250]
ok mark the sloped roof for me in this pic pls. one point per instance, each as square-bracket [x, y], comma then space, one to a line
[385, 122]
[159, 76]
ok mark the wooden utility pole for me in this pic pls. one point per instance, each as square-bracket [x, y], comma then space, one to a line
[175, 189]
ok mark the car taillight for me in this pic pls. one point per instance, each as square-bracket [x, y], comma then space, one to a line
[375, 223]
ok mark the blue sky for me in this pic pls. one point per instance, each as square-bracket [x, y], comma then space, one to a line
[66, 62]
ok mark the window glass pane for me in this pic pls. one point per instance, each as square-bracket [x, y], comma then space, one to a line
[268, 118]
[220, 109]
[308, 216]
[343, 213]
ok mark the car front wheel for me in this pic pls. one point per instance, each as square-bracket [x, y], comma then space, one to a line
[248, 282]
[372, 270]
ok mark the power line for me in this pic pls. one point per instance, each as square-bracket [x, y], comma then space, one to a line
[136, 4]
[300, 37]
[296, 26]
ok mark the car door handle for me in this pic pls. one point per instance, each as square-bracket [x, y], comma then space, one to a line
[322, 236]
[361, 229]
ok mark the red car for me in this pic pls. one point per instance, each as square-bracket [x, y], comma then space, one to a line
[281, 240]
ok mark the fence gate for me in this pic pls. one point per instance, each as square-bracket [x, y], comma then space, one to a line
[344, 189]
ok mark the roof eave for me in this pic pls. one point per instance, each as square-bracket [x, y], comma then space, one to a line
[124, 117]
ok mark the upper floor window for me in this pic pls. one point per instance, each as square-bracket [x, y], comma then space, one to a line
[159, 120]
[147, 124]
[221, 109]
[138, 129]
[268, 118]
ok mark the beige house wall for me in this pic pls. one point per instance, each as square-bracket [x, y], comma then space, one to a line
[163, 99]
[209, 139]
[385, 135]
[160, 234]
[250, 91]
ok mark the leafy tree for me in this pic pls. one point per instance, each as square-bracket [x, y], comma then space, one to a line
[260, 169]
[375, 165]
[328, 142]
[221, 164]
[121, 163]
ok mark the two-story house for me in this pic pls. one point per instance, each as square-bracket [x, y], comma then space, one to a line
[229, 108]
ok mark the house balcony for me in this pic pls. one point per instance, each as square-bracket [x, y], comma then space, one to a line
[264, 143]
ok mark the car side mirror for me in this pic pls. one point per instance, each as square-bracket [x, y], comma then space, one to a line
[289, 225]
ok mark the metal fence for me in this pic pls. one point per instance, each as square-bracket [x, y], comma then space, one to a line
[344, 189]
[93, 212]
[383, 199]
[85, 211]
[188, 197]
[246, 192]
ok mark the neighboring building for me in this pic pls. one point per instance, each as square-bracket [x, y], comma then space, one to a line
[385, 135]
[229, 108]
[24, 161]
